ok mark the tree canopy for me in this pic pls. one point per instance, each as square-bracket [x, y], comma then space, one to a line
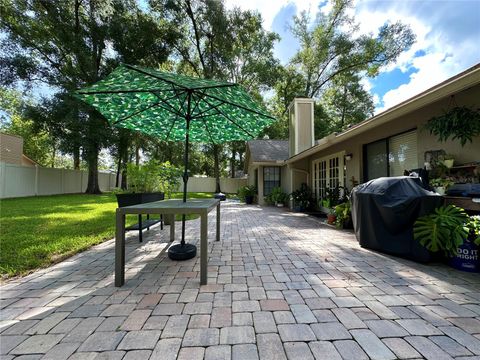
[70, 44]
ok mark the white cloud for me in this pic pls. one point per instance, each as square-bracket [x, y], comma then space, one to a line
[447, 37]
[269, 9]
[443, 51]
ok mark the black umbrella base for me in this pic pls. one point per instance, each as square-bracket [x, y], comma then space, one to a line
[179, 252]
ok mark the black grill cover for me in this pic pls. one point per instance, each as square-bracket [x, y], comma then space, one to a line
[383, 213]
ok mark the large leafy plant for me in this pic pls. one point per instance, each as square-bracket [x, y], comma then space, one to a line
[302, 197]
[460, 123]
[276, 196]
[247, 190]
[444, 230]
[343, 213]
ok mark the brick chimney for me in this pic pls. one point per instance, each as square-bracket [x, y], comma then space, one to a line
[300, 118]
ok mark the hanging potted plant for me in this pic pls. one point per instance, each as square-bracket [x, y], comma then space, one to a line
[458, 123]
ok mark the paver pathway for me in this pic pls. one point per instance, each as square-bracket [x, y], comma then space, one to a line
[281, 286]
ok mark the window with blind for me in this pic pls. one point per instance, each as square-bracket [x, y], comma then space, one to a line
[271, 179]
[391, 156]
[402, 153]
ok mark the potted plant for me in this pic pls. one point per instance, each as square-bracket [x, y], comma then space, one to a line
[302, 198]
[332, 199]
[343, 213]
[331, 216]
[451, 231]
[441, 185]
[282, 199]
[247, 193]
[458, 123]
[143, 185]
[277, 197]
[467, 257]
[448, 160]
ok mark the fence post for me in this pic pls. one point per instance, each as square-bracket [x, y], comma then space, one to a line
[62, 178]
[3, 177]
[36, 179]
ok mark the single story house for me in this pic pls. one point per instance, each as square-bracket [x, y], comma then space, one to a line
[385, 145]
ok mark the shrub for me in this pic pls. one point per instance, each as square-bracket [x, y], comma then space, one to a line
[153, 176]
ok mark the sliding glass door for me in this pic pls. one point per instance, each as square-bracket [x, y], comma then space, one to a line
[391, 156]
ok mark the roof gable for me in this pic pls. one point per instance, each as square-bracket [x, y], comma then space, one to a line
[268, 150]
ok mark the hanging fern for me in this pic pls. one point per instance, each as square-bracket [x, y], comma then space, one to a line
[460, 122]
[445, 230]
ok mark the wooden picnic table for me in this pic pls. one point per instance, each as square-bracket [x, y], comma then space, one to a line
[168, 208]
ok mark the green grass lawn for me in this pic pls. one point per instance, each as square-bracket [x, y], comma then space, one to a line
[38, 231]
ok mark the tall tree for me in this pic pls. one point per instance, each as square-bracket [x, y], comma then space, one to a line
[73, 43]
[228, 45]
[332, 48]
[346, 102]
[331, 60]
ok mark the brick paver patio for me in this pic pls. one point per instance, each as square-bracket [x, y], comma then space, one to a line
[281, 286]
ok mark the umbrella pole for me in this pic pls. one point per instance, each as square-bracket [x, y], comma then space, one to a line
[184, 251]
[185, 176]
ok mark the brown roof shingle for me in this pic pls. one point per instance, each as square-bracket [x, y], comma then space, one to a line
[268, 150]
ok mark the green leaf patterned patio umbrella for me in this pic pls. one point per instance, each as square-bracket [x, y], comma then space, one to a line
[175, 107]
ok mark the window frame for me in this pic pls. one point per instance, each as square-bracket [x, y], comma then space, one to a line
[279, 177]
[387, 147]
[321, 173]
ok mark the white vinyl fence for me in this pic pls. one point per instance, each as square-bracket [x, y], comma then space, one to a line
[207, 184]
[20, 181]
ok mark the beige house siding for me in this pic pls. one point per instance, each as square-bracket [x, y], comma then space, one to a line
[26, 161]
[11, 149]
[414, 120]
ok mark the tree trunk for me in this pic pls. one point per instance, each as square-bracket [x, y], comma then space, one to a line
[137, 154]
[76, 158]
[232, 163]
[54, 151]
[124, 184]
[216, 169]
[93, 186]
[119, 168]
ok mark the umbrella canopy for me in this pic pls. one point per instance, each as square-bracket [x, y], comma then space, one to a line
[159, 104]
[174, 107]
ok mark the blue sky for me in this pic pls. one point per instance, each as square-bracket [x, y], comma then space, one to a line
[448, 38]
